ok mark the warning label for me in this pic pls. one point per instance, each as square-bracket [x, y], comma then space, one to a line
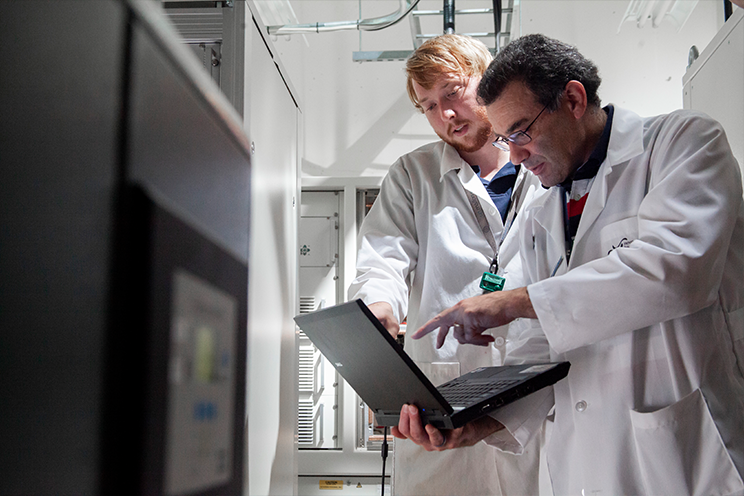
[331, 484]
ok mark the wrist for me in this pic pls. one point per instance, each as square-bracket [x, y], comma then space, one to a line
[521, 306]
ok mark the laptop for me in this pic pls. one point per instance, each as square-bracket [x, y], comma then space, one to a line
[384, 376]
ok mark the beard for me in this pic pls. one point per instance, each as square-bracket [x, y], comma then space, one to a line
[480, 138]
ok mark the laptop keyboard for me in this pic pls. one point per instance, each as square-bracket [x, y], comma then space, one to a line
[464, 393]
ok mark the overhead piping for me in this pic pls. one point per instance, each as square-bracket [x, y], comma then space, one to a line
[449, 16]
[373, 24]
[497, 10]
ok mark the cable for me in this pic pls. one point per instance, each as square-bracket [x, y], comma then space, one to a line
[363, 27]
[384, 452]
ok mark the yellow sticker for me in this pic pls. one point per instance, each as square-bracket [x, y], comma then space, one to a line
[331, 484]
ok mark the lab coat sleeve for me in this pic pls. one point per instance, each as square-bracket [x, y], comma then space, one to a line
[522, 420]
[526, 343]
[674, 265]
[388, 245]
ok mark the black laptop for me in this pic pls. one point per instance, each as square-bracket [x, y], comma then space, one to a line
[385, 377]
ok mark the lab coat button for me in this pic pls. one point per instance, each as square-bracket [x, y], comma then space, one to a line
[493, 211]
[581, 406]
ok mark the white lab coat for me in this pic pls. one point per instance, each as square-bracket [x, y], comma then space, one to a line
[421, 250]
[649, 312]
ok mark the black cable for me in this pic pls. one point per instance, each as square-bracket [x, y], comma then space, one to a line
[391, 23]
[384, 452]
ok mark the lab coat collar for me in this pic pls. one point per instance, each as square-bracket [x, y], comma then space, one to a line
[452, 161]
[626, 142]
[626, 138]
[471, 182]
[549, 215]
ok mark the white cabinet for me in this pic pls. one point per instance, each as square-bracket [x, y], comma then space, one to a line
[272, 354]
[714, 83]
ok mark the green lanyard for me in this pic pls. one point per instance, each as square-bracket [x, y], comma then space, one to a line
[491, 281]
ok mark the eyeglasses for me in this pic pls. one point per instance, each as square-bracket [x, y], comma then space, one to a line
[520, 138]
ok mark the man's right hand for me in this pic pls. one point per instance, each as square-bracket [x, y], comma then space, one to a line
[471, 317]
[384, 313]
[410, 426]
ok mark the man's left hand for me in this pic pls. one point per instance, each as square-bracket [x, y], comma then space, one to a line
[430, 438]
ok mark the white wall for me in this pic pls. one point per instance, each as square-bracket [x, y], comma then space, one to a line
[641, 68]
[358, 118]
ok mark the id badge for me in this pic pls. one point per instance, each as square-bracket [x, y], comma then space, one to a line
[491, 282]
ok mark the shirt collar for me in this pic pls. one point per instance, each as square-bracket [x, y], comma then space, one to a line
[508, 169]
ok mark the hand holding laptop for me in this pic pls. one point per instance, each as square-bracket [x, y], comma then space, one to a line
[410, 426]
[384, 313]
[384, 376]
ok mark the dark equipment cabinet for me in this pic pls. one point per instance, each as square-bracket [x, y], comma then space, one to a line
[124, 185]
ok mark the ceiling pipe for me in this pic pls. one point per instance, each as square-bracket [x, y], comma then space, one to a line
[373, 24]
[497, 10]
[449, 16]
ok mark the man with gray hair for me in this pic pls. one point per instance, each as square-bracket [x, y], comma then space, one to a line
[634, 262]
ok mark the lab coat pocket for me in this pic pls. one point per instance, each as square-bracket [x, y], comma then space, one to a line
[618, 234]
[680, 451]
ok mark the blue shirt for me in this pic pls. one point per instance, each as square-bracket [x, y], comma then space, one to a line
[500, 186]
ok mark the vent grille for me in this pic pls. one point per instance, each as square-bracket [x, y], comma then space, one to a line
[307, 304]
[305, 428]
[197, 25]
[307, 376]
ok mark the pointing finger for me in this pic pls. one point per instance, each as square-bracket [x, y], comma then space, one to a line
[442, 336]
[443, 320]
[425, 329]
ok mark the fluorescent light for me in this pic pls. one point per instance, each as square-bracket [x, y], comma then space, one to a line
[675, 11]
